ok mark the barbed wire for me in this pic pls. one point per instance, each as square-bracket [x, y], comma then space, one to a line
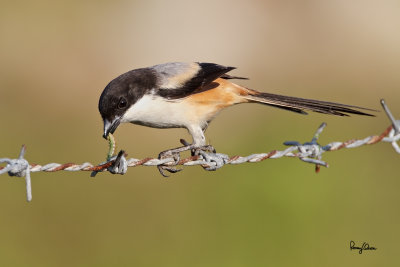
[310, 152]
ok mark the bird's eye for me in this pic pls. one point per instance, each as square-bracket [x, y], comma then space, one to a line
[122, 103]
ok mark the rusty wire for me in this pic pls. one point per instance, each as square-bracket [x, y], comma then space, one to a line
[310, 152]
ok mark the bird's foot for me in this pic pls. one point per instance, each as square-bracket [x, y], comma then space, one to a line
[209, 154]
[195, 150]
[175, 154]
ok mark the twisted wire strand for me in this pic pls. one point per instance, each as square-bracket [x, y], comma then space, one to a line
[303, 151]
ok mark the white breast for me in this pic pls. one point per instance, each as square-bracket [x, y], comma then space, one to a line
[155, 111]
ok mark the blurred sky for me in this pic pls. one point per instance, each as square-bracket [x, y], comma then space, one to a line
[57, 56]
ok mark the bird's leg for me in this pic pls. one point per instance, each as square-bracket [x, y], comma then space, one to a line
[199, 140]
[175, 154]
[195, 149]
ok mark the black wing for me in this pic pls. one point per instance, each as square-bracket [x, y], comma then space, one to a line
[179, 80]
[230, 77]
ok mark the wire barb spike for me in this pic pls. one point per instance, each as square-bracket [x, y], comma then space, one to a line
[395, 123]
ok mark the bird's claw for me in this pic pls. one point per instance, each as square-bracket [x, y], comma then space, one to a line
[207, 148]
[175, 154]
[195, 151]
[162, 168]
[168, 154]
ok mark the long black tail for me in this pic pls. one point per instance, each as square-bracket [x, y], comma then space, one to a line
[298, 105]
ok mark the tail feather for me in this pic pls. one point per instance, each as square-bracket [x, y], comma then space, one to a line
[298, 105]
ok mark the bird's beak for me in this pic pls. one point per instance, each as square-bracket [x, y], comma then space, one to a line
[110, 127]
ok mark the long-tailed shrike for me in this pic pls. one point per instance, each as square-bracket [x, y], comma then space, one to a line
[190, 95]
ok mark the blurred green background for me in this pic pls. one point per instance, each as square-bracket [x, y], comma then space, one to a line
[57, 56]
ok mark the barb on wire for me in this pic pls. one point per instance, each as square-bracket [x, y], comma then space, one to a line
[19, 167]
[310, 152]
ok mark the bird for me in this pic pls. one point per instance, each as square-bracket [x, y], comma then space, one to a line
[190, 95]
